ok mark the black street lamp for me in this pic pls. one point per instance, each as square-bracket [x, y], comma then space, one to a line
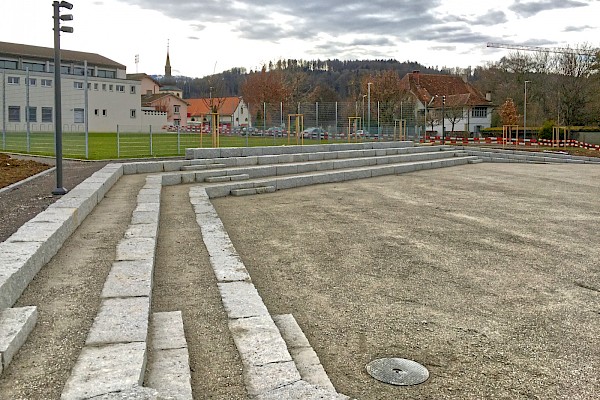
[59, 190]
[443, 118]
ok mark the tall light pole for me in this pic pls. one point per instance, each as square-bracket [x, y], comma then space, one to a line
[59, 190]
[363, 113]
[369, 107]
[524, 113]
[443, 118]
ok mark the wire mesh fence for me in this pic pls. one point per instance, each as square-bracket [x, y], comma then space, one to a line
[271, 124]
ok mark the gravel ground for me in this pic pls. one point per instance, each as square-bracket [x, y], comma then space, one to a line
[486, 274]
[22, 203]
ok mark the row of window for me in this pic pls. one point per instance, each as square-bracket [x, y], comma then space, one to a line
[64, 69]
[14, 114]
[111, 87]
[16, 80]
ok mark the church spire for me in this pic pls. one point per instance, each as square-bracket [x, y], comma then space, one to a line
[168, 63]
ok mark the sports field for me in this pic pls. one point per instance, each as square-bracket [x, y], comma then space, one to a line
[112, 145]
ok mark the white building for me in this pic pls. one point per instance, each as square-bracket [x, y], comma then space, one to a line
[103, 97]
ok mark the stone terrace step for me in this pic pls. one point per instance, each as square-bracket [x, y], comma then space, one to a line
[169, 369]
[15, 326]
[331, 176]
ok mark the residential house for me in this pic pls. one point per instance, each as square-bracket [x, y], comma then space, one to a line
[96, 94]
[464, 107]
[233, 111]
[176, 108]
[149, 84]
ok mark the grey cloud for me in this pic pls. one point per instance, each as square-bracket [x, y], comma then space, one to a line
[530, 8]
[578, 28]
[378, 24]
[193, 37]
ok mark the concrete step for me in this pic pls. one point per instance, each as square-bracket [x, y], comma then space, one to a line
[169, 366]
[477, 161]
[198, 167]
[253, 190]
[226, 178]
[15, 326]
[302, 353]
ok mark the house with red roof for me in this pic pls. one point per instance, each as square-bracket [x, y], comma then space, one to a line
[465, 109]
[233, 111]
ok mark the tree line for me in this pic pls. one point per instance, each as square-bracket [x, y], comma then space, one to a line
[561, 87]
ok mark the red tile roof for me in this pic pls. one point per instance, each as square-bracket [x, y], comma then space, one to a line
[227, 105]
[457, 91]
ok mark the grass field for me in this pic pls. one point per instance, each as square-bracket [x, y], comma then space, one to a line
[103, 146]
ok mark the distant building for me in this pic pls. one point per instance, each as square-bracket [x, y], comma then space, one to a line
[468, 108]
[175, 107]
[233, 111]
[27, 92]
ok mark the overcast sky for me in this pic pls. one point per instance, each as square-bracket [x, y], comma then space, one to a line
[216, 35]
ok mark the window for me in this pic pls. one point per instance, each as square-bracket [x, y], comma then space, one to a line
[89, 86]
[120, 88]
[241, 109]
[46, 114]
[13, 80]
[32, 114]
[104, 113]
[95, 86]
[46, 82]
[31, 81]
[65, 70]
[132, 113]
[176, 109]
[110, 87]
[79, 116]
[96, 112]
[132, 90]
[14, 114]
[6, 64]
[78, 71]
[104, 87]
[78, 85]
[479, 112]
[102, 73]
[34, 67]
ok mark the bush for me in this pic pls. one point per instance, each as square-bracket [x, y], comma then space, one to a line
[545, 131]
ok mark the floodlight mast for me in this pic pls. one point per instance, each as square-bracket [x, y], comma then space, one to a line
[59, 190]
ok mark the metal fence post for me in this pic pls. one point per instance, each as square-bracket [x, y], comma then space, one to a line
[118, 143]
[150, 140]
[27, 109]
[178, 141]
[3, 112]
[248, 124]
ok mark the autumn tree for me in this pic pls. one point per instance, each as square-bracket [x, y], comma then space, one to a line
[263, 87]
[385, 91]
[508, 113]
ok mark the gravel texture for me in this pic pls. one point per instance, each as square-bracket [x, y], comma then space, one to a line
[485, 274]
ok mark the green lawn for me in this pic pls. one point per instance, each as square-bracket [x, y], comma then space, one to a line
[103, 146]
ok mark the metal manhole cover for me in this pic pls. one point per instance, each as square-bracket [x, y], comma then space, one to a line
[397, 371]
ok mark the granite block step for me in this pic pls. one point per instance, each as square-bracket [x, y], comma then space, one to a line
[15, 326]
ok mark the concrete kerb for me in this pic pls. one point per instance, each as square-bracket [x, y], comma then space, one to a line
[123, 317]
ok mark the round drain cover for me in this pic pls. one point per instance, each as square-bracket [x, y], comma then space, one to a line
[397, 371]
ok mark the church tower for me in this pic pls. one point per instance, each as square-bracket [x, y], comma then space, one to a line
[168, 64]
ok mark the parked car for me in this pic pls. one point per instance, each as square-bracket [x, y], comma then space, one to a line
[313, 133]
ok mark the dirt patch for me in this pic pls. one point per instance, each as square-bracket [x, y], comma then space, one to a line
[13, 170]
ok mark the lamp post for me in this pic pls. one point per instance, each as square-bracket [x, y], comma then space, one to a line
[59, 190]
[362, 123]
[369, 107]
[524, 114]
[443, 118]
